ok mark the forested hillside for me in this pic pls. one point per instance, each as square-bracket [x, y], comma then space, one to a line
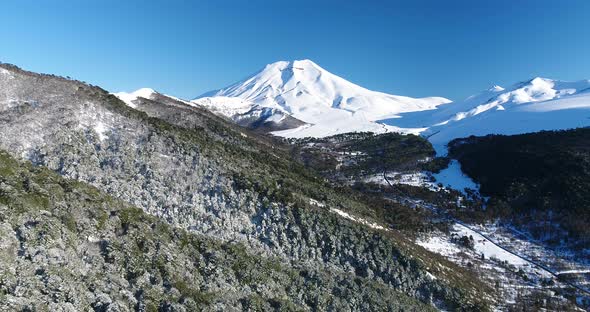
[200, 173]
[66, 245]
[540, 180]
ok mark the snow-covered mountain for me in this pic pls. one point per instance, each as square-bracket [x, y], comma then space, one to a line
[530, 106]
[242, 112]
[497, 98]
[327, 103]
[300, 99]
[249, 114]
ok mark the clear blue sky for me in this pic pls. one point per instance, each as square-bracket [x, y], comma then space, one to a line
[185, 48]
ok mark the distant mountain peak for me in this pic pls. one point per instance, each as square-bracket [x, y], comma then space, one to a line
[295, 64]
[330, 104]
[496, 88]
[540, 80]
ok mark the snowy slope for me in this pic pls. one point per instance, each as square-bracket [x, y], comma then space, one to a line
[498, 98]
[540, 104]
[534, 105]
[566, 113]
[130, 98]
[242, 112]
[249, 114]
[226, 106]
[326, 102]
[300, 99]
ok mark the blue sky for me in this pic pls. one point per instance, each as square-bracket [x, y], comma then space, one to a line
[185, 48]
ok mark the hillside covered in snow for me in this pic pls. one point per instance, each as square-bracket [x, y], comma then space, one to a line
[530, 106]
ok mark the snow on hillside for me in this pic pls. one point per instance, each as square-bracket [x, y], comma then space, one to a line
[240, 110]
[146, 93]
[226, 106]
[5, 72]
[318, 104]
[129, 98]
[326, 102]
[534, 105]
[563, 113]
[483, 248]
[453, 176]
[328, 105]
[340, 122]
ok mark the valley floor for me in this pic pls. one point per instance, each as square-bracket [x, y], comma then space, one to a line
[520, 268]
[516, 266]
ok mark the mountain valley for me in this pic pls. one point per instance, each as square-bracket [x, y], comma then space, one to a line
[199, 173]
[292, 190]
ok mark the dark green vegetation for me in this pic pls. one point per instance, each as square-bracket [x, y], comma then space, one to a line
[347, 159]
[224, 184]
[350, 156]
[538, 180]
[67, 245]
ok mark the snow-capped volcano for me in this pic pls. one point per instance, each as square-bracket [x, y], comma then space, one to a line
[300, 99]
[307, 92]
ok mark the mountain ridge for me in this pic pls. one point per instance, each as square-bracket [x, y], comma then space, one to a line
[534, 105]
[330, 105]
[296, 99]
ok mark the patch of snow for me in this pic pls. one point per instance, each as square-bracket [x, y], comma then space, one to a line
[130, 98]
[91, 119]
[453, 176]
[487, 248]
[179, 100]
[292, 133]
[440, 245]
[343, 214]
[421, 179]
[429, 275]
[4, 71]
[358, 220]
[225, 106]
[579, 271]
[93, 239]
[101, 129]
[316, 203]
[276, 118]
